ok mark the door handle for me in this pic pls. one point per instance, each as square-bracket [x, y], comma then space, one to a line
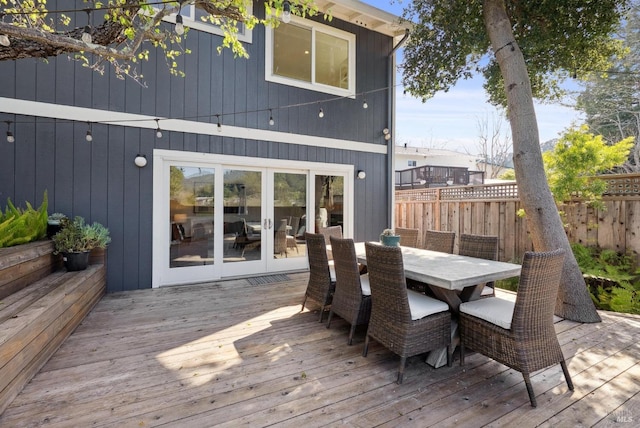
[264, 224]
[270, 224]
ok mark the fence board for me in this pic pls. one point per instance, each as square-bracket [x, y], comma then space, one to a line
[480, 210]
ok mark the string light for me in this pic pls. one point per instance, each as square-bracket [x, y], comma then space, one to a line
[286, 12]
[86, 33]
[89, 136]
[321, 113]
[219, 123]
[158, 130]
[364, 104]
[179, 24]
[10, 137]
[271, 121]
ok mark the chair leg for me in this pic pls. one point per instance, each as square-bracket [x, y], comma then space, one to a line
[450, 350]
[532, 395]
[461, 353]
[329, 319]
[303, 302]
[321, 313]
[403, 360]
[365, 350]
[353, 329]
[567, 376]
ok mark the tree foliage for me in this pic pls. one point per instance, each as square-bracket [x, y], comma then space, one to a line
[124, 31]
[557, 39]
[610, 99]
[579, 156]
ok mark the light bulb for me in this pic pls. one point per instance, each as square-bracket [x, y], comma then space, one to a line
[89, 136]
[365, 105]
[10, 137]
[158, 133]
[179, 25]
[86, 35]
[271, 121]
[321, 113]
[219, 127]
[286, 12]
[4, 40]
[140, 161]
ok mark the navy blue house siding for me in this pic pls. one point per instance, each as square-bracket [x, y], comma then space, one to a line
[99, 181]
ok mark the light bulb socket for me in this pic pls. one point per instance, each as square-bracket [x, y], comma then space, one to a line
[286, 12]
[10, 137]
[89, 136]
[158, 130]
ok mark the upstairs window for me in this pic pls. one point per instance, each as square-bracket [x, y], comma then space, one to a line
[192, 18]
[412, 163]
[313, 56]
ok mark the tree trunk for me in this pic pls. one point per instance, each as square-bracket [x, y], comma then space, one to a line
[547, 233]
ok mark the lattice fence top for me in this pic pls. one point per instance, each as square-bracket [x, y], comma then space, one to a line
[618, 185]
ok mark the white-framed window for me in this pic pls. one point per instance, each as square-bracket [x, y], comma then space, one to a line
[412, 163]
[192, 18]
[311, 55]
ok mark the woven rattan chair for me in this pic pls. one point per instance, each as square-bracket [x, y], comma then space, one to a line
[330, 231]
[352, 298]
[322, 281]
[405, 322]
[482, 247]
[519, 334]
[408, 237]
[436, 240]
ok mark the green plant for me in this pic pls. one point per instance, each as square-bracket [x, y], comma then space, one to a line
[388, 232]
[613, 283]
[76, 236]
[56, 217]
[21, 226]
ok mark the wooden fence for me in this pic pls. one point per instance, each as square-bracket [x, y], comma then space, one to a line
[493, 210]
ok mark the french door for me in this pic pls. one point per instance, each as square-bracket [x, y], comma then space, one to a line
[217, 217]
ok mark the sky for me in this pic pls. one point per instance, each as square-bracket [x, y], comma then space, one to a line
[450, 119]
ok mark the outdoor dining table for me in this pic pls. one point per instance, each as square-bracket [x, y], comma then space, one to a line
[451, 277]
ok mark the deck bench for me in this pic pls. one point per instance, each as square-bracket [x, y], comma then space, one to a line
[45, 304]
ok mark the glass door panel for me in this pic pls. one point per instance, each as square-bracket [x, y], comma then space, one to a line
[289, 215]
[243, 217]
[191, 219]
[329, 201]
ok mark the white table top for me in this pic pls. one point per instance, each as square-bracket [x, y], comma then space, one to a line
[450, 271]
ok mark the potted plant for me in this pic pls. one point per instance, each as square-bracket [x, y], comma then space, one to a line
[389, 237]
[76, 239]
[53, 223]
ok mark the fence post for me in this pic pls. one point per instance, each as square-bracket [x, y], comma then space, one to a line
[437, 216]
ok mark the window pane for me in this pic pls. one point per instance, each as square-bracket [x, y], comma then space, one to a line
[292, 52]
[332, 61]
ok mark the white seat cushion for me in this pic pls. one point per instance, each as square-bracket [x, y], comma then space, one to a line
[492, 309]
[365, 285]
[487, 291]
[422, 306]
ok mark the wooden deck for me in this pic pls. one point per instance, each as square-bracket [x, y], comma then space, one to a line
[231, 353]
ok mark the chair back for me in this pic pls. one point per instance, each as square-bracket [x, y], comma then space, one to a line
[330, 231]
[408, 237]
[537, 292]
[480, 246]
[389, 302]
[319, 276]
[436, 240]
[348, 287]
[295, 225]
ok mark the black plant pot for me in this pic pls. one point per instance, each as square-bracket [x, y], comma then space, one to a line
[75, 261]
[52, 229]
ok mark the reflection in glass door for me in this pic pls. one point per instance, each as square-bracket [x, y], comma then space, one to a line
[243, 228]
[191, 220]
[329, 201]
[289, 215]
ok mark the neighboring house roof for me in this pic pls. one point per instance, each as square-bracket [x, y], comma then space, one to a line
[438, 157]
[365, 15]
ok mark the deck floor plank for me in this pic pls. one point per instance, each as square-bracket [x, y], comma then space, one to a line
[229, 353]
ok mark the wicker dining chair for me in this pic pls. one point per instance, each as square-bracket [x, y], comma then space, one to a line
[519, 334]
[330, 231]
[352, 297]
[408, 237]
[404, 321]
[436, 240]
[482, 247]
[322, 280]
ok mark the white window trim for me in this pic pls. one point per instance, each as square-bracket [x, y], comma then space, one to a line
[188, 20]
[314, 26]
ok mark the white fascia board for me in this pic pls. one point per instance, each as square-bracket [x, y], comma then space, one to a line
[81, 114]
